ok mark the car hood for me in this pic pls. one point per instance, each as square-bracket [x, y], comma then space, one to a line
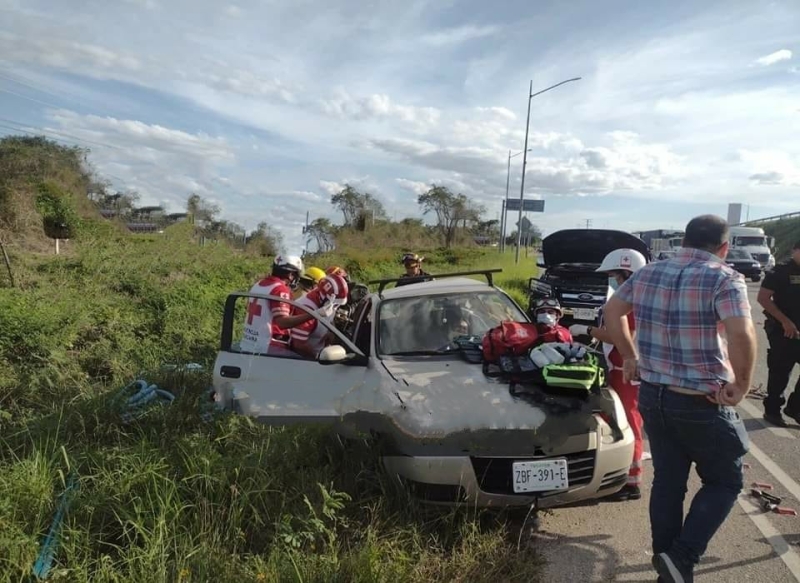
[588, 246]
[447, 397]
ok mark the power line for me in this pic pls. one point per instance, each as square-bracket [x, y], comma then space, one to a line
[30, 98]
[44, 131]
[29, 85]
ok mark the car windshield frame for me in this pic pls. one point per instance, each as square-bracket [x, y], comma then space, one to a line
[516, 314]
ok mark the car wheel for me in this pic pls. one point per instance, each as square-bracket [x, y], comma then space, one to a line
[756, 278]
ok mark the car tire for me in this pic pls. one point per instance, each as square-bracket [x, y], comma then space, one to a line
[756, 278]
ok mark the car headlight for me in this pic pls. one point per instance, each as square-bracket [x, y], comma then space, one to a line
[541, 287]
[619, 410]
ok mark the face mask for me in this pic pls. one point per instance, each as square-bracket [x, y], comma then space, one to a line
[547, 319]
[613, 283]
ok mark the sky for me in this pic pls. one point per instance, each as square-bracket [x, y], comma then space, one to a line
[269, 107]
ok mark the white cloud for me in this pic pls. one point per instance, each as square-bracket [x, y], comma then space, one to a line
[771, 167]
[501, 112]
[135, 133]
[147, 4]
[330, 187]
[776, 57]
[233, 10]
[377, 106]
[775, 178]
[413, 186]
[249, 84]
[458, 35]
[65, 54]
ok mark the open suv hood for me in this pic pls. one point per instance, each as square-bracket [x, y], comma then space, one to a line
[587, 246]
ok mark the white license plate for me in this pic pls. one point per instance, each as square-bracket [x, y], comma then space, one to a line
[540, 475]
[584, 314]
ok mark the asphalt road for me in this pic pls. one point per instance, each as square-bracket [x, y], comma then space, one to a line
[610, 541]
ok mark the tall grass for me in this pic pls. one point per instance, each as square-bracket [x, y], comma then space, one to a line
[177, 495]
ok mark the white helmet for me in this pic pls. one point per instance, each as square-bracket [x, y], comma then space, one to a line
[289, 263]
[623, 260]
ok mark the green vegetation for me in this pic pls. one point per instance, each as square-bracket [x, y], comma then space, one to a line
[177, 495]
[786, 233]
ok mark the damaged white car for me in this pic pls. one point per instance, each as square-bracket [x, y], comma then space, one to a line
[446, 431]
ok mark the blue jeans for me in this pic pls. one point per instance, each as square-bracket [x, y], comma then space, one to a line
[683, 429]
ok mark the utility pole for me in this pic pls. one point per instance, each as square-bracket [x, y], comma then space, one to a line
[531, 95]
[588, 223]
[305, 232]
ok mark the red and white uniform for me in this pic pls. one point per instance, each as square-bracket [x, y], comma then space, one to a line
[629, 395]
[555, 333]
[260, 331]
[330, 293]
[310, 332]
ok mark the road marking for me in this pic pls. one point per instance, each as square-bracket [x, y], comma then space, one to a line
[786, 553]
[757, 415]
[773, 468]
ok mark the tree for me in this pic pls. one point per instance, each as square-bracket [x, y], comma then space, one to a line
[322, 231]
[124, 203]
[347, 201]
[487, 229]
[265, 241]
[450, 210]
[357, 208]
[200, 210]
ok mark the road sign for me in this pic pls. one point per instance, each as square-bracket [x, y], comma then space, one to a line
[528, 206]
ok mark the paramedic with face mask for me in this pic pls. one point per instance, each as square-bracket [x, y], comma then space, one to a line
[620, 264]
[309, 338]
[547, 312]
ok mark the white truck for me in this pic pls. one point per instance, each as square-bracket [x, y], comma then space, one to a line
[754, 241]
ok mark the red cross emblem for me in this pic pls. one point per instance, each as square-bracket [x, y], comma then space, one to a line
[253, 310]
[625, 261]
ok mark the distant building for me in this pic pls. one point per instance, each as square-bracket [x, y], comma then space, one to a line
[144, 227]
[734, 213]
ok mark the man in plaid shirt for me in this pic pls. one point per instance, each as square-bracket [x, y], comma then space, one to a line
[691, 379]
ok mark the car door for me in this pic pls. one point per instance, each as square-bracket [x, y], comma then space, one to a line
[286, 388]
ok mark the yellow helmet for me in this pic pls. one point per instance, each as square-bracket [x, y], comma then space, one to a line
[314, 273]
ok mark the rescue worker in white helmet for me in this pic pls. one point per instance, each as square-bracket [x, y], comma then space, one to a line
[310, 337]
[620, 264]
[267, 322]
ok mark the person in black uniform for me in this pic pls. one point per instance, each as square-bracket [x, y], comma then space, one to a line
[414, 273]
[780, 297]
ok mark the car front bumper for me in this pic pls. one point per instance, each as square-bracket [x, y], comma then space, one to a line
[597, 467]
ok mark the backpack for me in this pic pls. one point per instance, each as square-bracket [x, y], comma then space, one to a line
[509, 338]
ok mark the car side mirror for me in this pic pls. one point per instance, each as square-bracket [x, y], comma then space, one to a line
[333, 354]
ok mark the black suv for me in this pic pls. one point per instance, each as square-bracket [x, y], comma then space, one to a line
[570, 259]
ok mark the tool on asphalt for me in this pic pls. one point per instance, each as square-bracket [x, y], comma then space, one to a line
[762, 485]
[771, 503]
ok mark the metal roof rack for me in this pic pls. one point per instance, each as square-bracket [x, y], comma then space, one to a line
[382, 283]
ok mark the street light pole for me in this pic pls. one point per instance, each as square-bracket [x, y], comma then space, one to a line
[531, 95]
[505, 209]
[504, 221]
